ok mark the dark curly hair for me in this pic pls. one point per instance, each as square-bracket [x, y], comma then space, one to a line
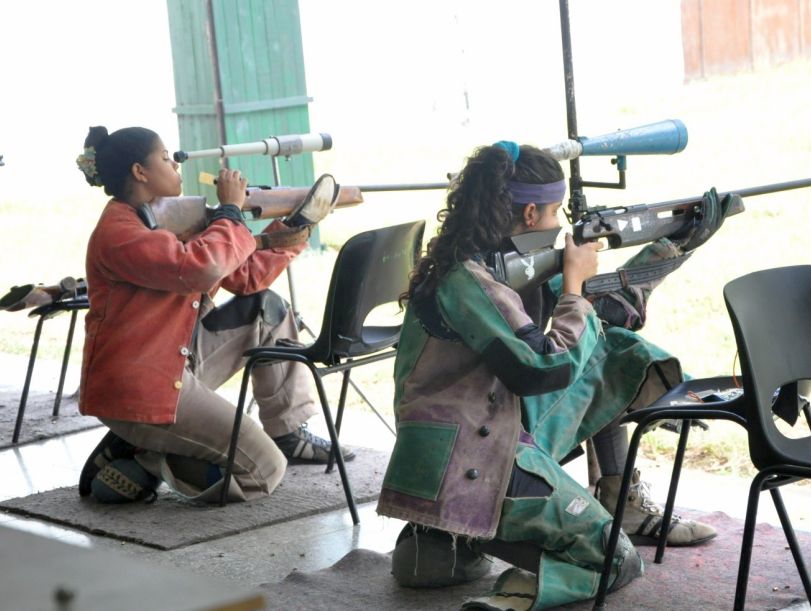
[479, 213]
[115, 154]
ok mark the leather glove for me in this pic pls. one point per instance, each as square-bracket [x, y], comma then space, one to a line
[706, 222]
[319, 203]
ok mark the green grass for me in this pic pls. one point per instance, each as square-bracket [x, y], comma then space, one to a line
[745, 130]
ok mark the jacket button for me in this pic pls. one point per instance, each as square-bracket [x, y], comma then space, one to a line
[491, 396]
[472, 473]
[184, 351]
[178, 384]
[484, 431]
[195, 304]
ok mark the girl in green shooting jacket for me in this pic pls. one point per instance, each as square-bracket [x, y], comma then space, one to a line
[494, 388]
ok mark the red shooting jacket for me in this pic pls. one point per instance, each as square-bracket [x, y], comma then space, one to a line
[145, 288]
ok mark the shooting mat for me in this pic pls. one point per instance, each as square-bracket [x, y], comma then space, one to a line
[171, 523]
[38, 424]
[702, 577]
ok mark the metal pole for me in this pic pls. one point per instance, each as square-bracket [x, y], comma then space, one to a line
[577, 199]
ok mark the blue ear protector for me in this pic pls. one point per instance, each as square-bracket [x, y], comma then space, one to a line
[511, 147]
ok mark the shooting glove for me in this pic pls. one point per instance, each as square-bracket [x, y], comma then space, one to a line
[707, 222]
[319, 203]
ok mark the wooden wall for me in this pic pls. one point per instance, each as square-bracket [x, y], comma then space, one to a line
[722, 36]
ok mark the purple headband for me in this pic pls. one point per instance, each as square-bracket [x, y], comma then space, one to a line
[525, 193]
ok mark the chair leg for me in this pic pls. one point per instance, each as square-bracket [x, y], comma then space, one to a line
[65, 357]
[339, 418]
[372, 407]
[232, 447]
[748, 539]
[793, 544]
[619, 513]
[336, 448]
[24, 397]
[671, 493]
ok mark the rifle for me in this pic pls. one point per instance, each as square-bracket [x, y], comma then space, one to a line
[186, 216]
[35, 295]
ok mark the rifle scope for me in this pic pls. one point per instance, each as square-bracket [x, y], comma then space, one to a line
[274, 146]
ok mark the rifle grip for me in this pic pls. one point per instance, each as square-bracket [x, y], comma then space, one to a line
[146, 215]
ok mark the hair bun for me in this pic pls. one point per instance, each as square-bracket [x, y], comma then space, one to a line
[510, 147]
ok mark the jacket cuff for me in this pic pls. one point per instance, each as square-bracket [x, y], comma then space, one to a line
[229, 212]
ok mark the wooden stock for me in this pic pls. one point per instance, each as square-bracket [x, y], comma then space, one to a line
[188, 215]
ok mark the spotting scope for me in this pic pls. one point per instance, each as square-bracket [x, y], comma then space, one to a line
[282, 146]
[662, 138]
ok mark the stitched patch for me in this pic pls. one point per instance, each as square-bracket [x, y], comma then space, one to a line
[577, 506]
[420, 458]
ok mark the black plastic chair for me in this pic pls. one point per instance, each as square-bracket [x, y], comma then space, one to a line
[46, 312]
[769, 311]
[372, 269]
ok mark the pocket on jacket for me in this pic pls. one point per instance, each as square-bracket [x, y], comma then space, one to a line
[420, 458]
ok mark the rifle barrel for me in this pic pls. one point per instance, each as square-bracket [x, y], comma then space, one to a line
[404, 187]
[748, 192]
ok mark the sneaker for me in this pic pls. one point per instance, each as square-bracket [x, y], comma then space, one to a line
[301, 446]
[109, 448]
[643, 518]
[430, 558]
[124, 480]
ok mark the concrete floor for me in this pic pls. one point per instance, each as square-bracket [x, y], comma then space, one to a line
[269, 554]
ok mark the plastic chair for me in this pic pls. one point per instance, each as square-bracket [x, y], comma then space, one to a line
[769, 314]
[372, 269]
[46, 312]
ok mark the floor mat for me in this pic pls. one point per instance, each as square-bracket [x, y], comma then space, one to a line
[702, 577]
[171, 522]
[38, 423]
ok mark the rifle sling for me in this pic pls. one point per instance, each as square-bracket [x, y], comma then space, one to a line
[283, 238]
[623, 278]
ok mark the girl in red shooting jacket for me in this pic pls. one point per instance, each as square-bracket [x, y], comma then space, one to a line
[157, 347]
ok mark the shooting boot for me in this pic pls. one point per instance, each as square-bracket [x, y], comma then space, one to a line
[643, 518]
[430, 558]
[109, 449]
[629, 562]
[123, 480]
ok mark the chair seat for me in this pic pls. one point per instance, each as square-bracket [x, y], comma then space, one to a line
[49, 310]
[375, 339]
[682, 397]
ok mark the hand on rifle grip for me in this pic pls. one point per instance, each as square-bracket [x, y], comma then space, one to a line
[231, 187]
[579, 264]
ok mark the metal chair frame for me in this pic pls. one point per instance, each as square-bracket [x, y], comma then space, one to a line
[775, 468]
[44, 313]
[387, 255]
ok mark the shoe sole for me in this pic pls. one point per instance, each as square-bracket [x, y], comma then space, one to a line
[315, 461]
[647, 541]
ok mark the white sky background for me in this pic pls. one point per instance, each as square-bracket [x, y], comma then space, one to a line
[385, 76]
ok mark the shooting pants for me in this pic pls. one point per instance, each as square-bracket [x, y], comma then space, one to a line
[568, 526]
[188, 454]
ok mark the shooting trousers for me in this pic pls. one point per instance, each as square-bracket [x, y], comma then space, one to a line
[181, 453]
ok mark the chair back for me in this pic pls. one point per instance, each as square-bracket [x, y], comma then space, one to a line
[372, 269]
[771, 316]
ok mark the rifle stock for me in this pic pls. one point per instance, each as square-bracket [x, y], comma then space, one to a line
[188, 215]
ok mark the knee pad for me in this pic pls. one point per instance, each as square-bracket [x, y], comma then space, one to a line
[243, 309]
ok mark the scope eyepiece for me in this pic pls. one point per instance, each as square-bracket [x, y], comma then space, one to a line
[180, 156]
